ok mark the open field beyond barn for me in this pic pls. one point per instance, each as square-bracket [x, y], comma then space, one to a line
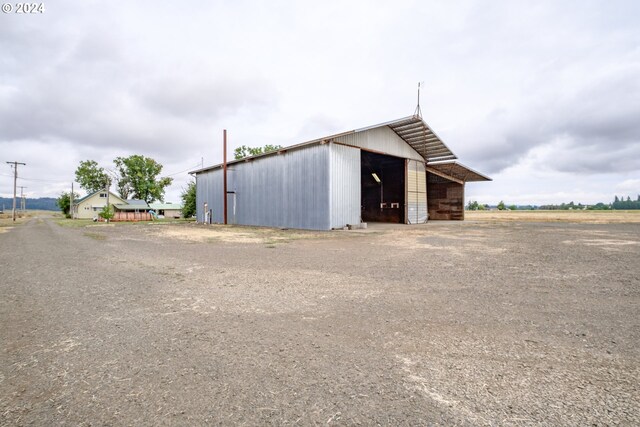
[490, 321]
[579, 216]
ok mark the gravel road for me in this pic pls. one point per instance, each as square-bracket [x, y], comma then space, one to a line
[466, 323]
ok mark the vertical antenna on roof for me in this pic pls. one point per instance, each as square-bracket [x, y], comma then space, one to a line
[418, 112]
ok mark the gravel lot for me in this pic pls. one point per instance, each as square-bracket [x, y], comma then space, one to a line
[466, 323]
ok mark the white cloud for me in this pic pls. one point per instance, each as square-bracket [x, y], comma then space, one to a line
[628, 187]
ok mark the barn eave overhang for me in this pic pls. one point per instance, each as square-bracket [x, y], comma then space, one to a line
[456, 170]
[419, 136]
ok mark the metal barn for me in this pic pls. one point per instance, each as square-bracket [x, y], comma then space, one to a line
[398, 172]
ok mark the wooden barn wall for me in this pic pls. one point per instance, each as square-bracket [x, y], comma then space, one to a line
[445, 199]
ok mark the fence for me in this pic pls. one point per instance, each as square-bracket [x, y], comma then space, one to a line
[132, 216]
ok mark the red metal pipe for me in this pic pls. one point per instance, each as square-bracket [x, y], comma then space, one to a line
[224, 168]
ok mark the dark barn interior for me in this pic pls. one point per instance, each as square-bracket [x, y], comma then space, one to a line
[445, 198]
[383, 199]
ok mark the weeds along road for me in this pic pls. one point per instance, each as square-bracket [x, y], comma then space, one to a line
[442, 324]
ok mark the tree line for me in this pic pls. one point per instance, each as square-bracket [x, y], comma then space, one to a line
[473, 205]
[244, 151]
[40, 203]
[619, 203]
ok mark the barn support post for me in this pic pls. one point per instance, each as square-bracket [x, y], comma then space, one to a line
[406, 191]
[462, 201]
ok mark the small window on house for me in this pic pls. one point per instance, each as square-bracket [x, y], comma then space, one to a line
[103, 195]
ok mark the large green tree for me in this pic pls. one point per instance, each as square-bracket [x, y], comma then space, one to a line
[473, 205]
[244, 151]
[189, 200]
[139, 178]
[91, 177]
[64, 202]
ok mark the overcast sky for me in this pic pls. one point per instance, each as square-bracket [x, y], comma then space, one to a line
[542, 96]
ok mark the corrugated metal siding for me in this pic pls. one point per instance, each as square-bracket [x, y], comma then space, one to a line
[209, 190]
[286, 190]
[345, 185]
[416, 192]
[383, 140]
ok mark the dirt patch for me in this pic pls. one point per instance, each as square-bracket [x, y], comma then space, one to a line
[96, 236]
[446, 323]
[232, 234]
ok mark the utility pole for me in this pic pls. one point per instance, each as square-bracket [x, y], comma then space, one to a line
[15, 181]
[108, 186]
[71, 202]
[23, 202]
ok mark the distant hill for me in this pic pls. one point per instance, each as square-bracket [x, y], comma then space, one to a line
[42, 204]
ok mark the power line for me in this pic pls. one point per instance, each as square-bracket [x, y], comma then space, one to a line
[186, 170]
[55, 181]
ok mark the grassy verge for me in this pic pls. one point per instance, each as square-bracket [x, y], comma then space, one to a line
[74, 223]
[66, 222]
[576, 216]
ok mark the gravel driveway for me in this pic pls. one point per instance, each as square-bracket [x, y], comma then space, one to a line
[465, 323]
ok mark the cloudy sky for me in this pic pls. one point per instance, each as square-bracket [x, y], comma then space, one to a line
[542, 96]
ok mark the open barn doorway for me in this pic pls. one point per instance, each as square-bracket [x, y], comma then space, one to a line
[382, 181]
[446, 198]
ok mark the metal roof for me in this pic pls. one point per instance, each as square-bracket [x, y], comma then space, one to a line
[126, 207]
[165, 206]
[413, 130]
[458, 171]
[82, 199]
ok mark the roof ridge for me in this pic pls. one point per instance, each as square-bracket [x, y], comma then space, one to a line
[424, 142]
